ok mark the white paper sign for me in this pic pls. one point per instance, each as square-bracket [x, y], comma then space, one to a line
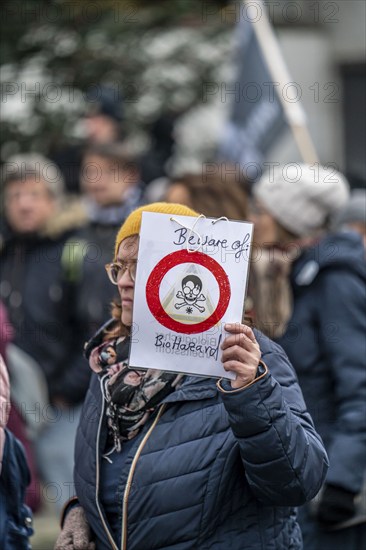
[182, 298]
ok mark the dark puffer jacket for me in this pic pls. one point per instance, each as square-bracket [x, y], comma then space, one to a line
[211, 469]
[94, 290]
[42, 303]
[326, 343]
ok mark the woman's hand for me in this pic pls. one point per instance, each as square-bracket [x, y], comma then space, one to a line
[76, 534]
[241, 354]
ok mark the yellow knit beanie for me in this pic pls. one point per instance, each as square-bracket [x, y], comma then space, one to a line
[132, 224]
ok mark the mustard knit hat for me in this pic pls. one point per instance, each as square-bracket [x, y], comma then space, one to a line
[132, 224]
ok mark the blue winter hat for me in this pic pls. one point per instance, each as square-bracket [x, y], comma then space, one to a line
[102, 100]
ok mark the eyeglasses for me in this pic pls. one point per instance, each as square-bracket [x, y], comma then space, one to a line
[116, 270]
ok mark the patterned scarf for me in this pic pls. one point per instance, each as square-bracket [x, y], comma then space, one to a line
[131, 394]
[112, 215]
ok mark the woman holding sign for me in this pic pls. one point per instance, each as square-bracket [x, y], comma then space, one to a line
[165, 460]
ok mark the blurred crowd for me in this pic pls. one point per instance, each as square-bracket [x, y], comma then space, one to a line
[306, 291]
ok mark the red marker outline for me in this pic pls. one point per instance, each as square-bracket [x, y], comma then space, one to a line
[159, 272]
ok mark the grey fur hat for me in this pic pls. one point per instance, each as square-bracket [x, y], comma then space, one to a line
[302, 198]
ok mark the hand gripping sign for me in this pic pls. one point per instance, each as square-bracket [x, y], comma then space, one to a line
[191, 279]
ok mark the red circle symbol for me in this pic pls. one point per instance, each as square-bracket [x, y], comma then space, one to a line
[159, 272]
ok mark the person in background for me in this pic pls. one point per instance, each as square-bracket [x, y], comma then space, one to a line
[15, 420]
[4, 406]
[211, 195]
[353, 216]
[15, 476]
[101, 124]
[111, 187]
[161, 135]
[5, 337]
[41, 302]
[172, 460]
[15, 515]
[104, 115]
[323, 333]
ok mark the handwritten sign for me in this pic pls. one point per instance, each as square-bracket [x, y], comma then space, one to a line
[191, 280]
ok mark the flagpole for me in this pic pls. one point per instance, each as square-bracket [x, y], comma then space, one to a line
[293, 111]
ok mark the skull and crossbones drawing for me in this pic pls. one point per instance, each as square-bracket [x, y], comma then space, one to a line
[191, 286]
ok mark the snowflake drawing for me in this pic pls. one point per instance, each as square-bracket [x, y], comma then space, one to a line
[189, 310]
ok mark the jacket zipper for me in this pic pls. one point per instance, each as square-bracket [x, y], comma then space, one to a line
[110, 538]
[130, 477]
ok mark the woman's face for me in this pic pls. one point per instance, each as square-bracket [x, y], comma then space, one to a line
[104, 180]
[127, 253]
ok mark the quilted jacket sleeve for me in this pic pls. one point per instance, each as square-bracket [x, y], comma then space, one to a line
[284, 458]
